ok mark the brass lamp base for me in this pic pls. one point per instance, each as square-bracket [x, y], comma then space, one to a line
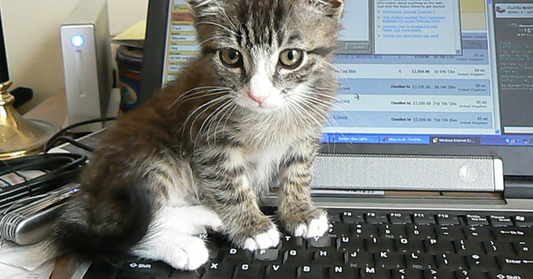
[19, 136]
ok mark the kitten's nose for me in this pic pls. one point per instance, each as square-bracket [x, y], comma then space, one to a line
[258, 95]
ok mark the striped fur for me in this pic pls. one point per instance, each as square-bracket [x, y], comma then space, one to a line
[200, 154]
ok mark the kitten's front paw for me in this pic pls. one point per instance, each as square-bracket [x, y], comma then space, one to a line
[314, 223]
[189, 255]
[313, 228]
[263, 240]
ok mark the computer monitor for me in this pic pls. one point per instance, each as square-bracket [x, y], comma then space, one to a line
[416, 77]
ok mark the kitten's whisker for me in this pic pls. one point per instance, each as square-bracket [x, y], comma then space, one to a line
[333, 106]
[218, 25]
[303, 112]
[230, 21]
[226, 115]
[337, 69]
[198, 95]
[342, 75]
[199, 111]
[229, 115]
[211, 119]
[211, 38]
[338, 108]
[192, 91]
[321, 113]
[200, 132]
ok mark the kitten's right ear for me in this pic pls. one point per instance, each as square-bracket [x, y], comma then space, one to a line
[201, 7]
[333, 8]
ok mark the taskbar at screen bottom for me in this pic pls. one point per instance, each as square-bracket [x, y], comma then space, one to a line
[501, 140]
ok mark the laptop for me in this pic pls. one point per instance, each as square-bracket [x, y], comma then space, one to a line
[427, 160]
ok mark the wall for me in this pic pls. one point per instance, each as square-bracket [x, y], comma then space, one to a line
[31, 30]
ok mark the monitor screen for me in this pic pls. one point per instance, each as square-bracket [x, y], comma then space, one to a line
[417, 72]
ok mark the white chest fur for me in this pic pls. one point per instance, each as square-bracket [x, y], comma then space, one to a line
[266, 164]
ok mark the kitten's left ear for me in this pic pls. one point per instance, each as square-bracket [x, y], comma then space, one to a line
[200, 7]
[332, 8]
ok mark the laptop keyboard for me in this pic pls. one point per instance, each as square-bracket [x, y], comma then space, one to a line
[377, 244]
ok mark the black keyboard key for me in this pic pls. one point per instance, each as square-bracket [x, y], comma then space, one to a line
[407, 274]
[468, 247]
[342, 272]
[364, 231]
[451, 261]
[392, 231]
[328, 258]
[420, 261]
[508, 275]
[439, 274]
[290, 242]
[334, 216]
[399, 218]
[268, 257]
[523, 220]
[310, 272]
[447, 219]
[481, 262]
[237, 256]
[145, 269]
[420, 218]
[476, 220]
[320, 242]
[359, 259]
[376, 218]
[350, 217]
[523, 248]
[513, 234]
[277, 271]
[408, 246]
[347, 243]
[248, 271]
[297, 257]
[470, 274]
[379, 244]
[449, 232]
[501, 221]
[516, 264]
[389, 260]
[178, 274]
[437, 246]
[498, 248]
[339, 229]
[420, 232]
[479, 233]
[374, 273]
[217, 270]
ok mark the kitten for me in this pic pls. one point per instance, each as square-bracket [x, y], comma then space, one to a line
[246, 113]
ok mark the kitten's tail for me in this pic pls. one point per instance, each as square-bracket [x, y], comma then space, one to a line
[104, 230]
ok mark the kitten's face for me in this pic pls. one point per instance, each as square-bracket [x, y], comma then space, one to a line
[273, 54]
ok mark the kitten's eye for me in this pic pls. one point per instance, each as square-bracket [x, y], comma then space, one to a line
[291, 58]
[230, 57]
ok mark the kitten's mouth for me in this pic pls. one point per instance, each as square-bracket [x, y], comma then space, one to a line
[258, 107]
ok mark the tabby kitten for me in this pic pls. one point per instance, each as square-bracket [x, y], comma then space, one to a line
[246, 113]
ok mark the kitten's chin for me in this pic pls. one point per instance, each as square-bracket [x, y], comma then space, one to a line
[263, 108]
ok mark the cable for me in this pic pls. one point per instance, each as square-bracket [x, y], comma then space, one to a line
[62, 139]
[54, 139]
[59, 169]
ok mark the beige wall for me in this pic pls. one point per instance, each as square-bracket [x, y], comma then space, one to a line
[31, 30]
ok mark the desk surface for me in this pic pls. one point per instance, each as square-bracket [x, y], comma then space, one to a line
[53, 110]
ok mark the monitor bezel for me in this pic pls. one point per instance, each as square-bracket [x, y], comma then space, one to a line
[517, 160]
[154, 48]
